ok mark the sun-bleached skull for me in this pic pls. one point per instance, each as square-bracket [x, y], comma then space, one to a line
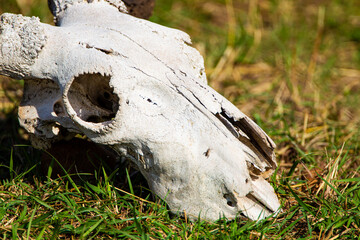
[141, 89]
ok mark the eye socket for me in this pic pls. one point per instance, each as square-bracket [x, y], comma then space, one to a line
[92, 98]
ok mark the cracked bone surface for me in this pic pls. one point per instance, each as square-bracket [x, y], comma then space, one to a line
[141, 89]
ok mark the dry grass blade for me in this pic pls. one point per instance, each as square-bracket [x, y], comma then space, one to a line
[332, 167]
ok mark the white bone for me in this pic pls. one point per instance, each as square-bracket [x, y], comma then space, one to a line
[141, 89]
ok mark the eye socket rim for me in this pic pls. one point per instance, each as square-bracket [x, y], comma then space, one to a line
[86, 126]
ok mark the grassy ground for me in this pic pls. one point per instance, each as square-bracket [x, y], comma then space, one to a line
[293, 66]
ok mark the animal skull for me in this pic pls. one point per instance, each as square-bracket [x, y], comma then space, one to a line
[141, 89]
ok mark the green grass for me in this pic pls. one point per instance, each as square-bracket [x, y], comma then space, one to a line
[293, 66]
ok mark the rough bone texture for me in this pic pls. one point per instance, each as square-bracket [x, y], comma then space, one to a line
[141, 89]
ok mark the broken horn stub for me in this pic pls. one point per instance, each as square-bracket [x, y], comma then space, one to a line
[140, 8]
[18, 50]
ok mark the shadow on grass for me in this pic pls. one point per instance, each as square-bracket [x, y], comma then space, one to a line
[79, 158]
[16, 154]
